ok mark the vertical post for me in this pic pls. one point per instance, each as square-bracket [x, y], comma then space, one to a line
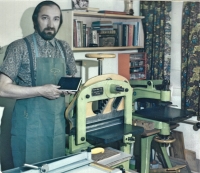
[100, 61]
[100, 66]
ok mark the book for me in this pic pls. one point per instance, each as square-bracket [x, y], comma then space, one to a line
[81, 31]
[102, 27]
[135, 32]
[112, 12]
[118, 26]
[107, 32]
[130, 35]
[78, 33]
[75, 33]
[124, 34]
[102, 23]
[112, 34]
[108, 41]
[93, 37]
[88, 33]
[136, 36]
[69, 83]
[84, 35]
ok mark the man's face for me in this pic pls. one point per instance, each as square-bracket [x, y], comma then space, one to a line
[48, 22]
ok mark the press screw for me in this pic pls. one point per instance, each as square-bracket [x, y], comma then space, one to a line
[82, 138]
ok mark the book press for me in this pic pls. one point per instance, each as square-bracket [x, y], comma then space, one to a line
[104, 129]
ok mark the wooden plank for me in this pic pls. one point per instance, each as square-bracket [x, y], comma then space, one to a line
[191, 159]
[177, 161]
[178, 146]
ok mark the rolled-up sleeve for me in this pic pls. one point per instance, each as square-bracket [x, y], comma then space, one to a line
[12, 60]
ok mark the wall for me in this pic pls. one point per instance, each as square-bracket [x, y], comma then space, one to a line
[16, 23]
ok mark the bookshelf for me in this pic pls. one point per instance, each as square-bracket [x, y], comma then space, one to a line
[132, 65]
[67, 28]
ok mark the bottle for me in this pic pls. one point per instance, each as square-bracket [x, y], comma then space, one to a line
[128, 7]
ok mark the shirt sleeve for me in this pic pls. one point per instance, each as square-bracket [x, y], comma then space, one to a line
[12, 60]
[70, 60]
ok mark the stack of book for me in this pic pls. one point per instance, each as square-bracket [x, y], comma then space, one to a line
[105, 33]
[128, 33]
[102, 25]
[80, 34]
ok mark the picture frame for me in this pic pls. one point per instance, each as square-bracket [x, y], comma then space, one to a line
[80, 4]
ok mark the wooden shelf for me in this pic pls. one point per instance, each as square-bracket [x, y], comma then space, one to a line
[125, 68]
[82, 49]
[101, 15]
[66, 30]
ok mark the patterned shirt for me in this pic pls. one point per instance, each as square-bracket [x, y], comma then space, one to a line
[16, 64]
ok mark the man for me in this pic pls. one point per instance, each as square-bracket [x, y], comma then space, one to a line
[30, 73]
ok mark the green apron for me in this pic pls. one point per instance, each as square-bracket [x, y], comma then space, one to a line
[38, 124]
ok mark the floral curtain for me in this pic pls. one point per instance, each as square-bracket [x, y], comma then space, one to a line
[157, 43]
[190, 75]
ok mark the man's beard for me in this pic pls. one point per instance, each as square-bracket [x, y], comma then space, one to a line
[47, 34]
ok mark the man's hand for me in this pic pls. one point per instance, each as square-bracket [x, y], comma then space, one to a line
[10, 90]
[50, 91]
[67, 92]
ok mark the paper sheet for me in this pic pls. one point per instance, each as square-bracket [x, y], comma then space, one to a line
[1, 113]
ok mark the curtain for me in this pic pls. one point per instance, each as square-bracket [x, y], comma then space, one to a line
[190, 57]
[157, 43]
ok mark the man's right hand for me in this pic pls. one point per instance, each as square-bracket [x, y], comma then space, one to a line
[10, 90]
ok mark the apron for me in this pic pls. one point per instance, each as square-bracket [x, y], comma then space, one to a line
[38, 124]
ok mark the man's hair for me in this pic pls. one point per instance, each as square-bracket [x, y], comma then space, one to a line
[37, 10]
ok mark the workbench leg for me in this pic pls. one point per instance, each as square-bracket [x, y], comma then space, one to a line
[126, 148]
[165, 155]
[145, 153]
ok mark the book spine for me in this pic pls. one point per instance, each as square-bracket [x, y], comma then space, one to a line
[130, 35]
[81, 27]
[78, 34]
[101, 24]
[127, 26]
[84, 35]
[88, 36]
[101, 32]
[107, 41]
[133, 34]
[136, 30]
[124, 27]
[120, 34]
[94, 37]
[101, 29]
[75, 33]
